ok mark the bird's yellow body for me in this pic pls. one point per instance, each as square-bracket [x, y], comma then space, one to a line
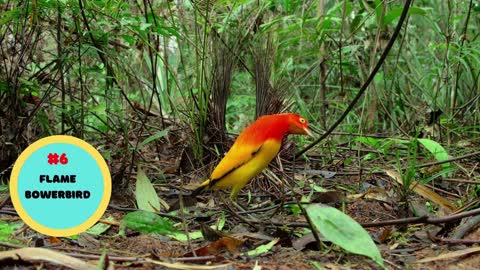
[241, 175]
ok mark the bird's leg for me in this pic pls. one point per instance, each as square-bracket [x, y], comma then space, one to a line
[233, 198]
[238, 206]
[228, 206]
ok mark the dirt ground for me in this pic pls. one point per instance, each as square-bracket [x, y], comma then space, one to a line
[368, 194]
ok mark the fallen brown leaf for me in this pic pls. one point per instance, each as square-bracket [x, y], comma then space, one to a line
[450, 255]
[302, 242]
[54, 240]
[385, 234]
[178, 265]
[328, 197]
[373, 193]
[423, 191]
[210, 234]
[45, 255]
[225, 243]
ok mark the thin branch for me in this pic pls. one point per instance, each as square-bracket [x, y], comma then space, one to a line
[462, 42]
[428, 164]
[422, 220]
[391, 222]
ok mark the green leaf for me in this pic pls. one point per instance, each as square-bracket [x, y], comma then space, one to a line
[356, 21]
[319, 188]
[444, 171]
[181, 236]
[100, 228]
[343, 231]
[386, 145]
[129, 39]
[147, 222]
[263, 248]
[396, 12]
[144, 26]
[370, 156]
[147, 198]
[166, 31]
[7, 16]
[7, 229]
[158, 135]
[368, 141]
[436, 149]
[317, 265]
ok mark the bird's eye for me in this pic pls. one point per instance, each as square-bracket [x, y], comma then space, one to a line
[302, 120]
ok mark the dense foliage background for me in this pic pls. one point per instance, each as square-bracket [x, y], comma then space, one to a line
[95, 68]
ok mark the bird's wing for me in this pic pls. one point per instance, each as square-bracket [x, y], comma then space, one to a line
[239, 154]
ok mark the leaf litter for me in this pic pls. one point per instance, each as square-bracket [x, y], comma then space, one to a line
[283, 239]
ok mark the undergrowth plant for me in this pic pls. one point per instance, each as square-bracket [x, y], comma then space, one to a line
[408, 174]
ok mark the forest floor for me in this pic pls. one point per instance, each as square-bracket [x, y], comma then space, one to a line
[369, 194]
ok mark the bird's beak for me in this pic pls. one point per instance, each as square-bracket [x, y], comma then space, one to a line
[308, 132]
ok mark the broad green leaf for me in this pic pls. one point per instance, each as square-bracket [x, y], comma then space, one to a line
[7, 16]
[319, 188]
[158, 135]
[396, 12]
[262, 248]
[343, 231]
[436, 149]
[147, 198]
[147, 222]
[181, 236]
[100, 228]
[368, 141]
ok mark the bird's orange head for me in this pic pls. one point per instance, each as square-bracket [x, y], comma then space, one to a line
[274, 126]
[298, 125]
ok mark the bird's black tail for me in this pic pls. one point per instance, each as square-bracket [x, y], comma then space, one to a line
[198, 191]
[188, 200]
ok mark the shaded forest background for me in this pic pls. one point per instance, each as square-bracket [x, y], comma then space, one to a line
[111, 72]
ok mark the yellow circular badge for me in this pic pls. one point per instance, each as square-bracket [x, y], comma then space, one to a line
[60, 186]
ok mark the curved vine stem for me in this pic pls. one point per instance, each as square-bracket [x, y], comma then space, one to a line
[366, 83]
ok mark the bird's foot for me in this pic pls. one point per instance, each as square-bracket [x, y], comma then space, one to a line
[239, 206]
